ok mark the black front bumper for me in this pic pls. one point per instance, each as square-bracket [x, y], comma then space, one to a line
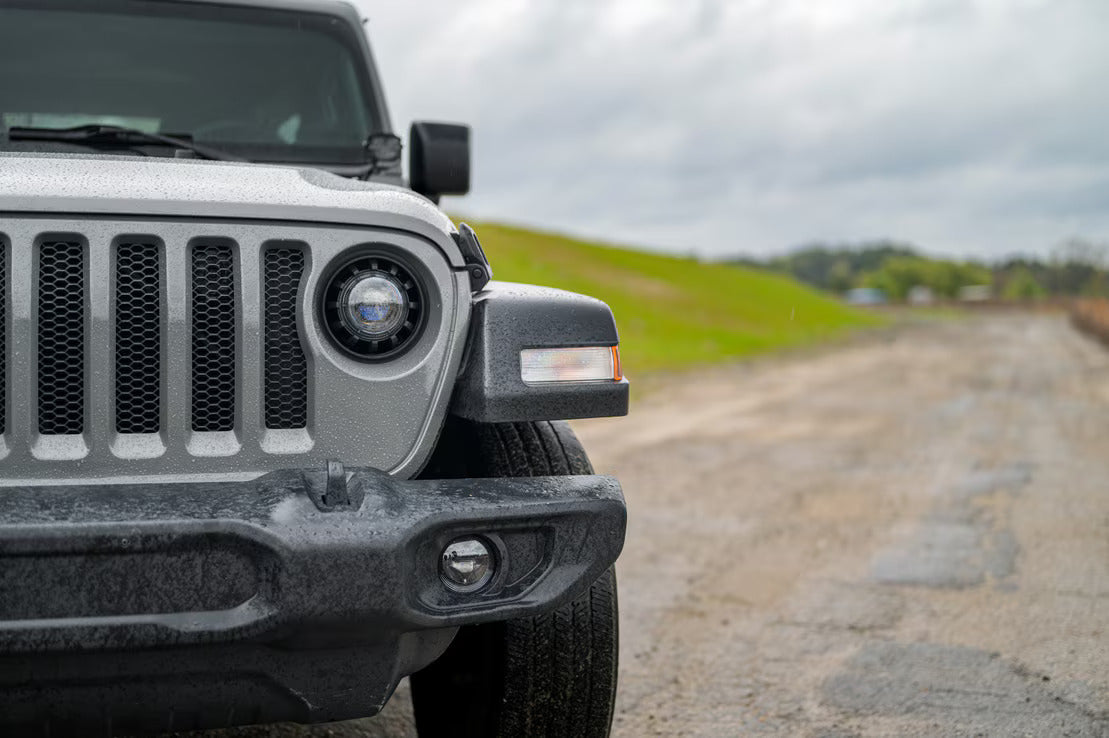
[301, 595]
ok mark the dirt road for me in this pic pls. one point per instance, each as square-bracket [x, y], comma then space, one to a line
[907, 535]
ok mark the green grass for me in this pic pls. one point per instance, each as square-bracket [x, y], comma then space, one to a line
[674, 312]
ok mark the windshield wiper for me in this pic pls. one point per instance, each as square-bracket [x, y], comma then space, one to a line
[104, 135]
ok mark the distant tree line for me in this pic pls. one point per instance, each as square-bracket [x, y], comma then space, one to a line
[1077, 267]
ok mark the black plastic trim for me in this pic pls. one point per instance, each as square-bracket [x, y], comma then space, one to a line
[477, 264]
[508, 318]
[265, 597]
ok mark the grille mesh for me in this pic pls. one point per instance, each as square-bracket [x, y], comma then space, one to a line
[213, 338]
[286, 369]
[138, 338]
[61, 338]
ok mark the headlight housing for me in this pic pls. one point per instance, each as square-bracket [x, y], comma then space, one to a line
[372, 306]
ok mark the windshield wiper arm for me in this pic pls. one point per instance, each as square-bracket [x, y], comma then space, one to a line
[96, 135]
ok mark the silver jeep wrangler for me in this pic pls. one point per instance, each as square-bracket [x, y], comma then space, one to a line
[270, 438]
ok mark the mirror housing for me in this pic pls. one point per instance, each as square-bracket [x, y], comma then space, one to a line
[439, 159]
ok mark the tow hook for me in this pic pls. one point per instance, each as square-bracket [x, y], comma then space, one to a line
[337, 494]
[332, 492]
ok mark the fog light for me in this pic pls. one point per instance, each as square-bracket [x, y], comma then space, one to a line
[467, 565]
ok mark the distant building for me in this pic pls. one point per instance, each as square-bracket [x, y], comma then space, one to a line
[866, 296]
[975, 293]
[921, 295]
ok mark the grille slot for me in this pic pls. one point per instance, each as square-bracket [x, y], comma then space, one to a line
[285, 377]
[138, 337]
[3, 336]
[61, 338]
[213, 337]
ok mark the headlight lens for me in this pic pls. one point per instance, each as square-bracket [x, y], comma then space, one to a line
[372, 307]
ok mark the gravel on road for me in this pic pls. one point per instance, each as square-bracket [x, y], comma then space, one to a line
[907, 535]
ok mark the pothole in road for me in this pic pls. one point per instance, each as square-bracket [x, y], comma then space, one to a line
[965, 543]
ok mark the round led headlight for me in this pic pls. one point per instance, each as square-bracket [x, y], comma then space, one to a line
[372, 307]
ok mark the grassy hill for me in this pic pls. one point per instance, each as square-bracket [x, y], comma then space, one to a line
[673, 312]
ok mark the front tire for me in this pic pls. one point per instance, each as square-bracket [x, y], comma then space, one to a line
[549, 675]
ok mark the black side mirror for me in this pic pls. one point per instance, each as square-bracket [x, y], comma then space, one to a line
[439, 159]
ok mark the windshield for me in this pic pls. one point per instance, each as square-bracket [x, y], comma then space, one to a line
[267, 85]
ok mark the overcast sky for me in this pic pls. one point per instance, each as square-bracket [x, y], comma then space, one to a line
[969, 127]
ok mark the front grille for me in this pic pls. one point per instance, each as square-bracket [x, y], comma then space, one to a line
[138, 301]
[61, 338]
[285, 380]
[134, 348]
[213, 337]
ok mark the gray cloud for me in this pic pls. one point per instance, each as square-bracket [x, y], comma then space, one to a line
[725, 126]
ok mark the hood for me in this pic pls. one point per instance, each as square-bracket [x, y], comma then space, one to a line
[189, 188]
